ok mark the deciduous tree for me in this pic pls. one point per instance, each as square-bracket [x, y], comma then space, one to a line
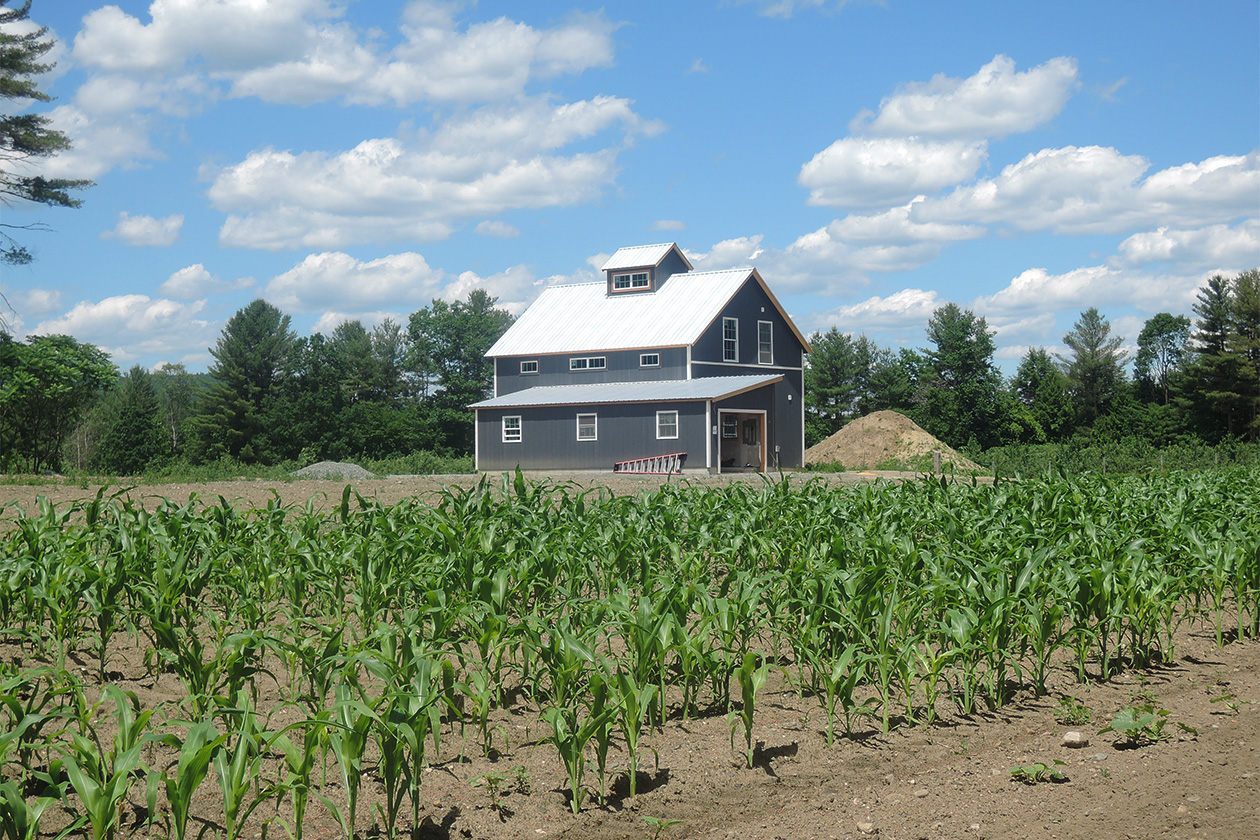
[1161, 349]
[449, 343]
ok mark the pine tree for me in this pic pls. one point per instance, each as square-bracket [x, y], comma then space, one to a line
[250, 359]
[26, 138]
[1210, 399]
[1095, 370]
[134, 437]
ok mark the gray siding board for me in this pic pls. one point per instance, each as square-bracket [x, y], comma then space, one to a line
[549, 437]
[623, 366]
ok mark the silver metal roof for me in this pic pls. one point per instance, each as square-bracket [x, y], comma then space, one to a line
[603, 393]
[641, 256]
[582, 317]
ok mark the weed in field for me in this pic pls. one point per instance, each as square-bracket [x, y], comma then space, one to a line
[1037, 772]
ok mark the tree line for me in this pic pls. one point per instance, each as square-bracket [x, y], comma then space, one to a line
[1192, 379]
[391, 391]
[269, 398]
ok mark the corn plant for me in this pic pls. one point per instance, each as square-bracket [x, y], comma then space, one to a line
[751, 679]
[196, 752]
[349, 731]
[101, 775]
[237, 765]
[572, 728]
[633, 702]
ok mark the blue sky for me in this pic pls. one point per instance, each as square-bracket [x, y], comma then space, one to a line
[355, 159]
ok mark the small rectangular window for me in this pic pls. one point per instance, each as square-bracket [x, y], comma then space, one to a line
[588, 363]
[587, 427]
[511, 429]
[637, 280]
[530, 366]
[730, 339]
[649, 360]
[730, 426]
[765, 342]
[667, 425]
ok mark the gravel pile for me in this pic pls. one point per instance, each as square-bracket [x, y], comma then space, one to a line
[333, 469]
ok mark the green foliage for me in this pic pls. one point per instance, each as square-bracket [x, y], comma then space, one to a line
[27, 139]
[397, 624]
[1038, 771]
[45, 387]
[448, 346]
[134, 437]
[1072, 712]
[1095, 370]
[1161, 349]
[961, 399]
[1138, 725]
[251, 357]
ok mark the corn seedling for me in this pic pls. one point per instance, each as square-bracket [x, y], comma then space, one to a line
[751, 678]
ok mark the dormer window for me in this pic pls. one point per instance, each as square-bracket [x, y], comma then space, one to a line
[633, 280]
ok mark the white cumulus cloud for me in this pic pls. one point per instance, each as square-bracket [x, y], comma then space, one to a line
[995, 102]
[151, 326]
[393, 189]
[146, 231]
[878, 171]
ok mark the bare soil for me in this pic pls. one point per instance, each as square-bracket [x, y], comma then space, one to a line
[951, 779]
[881, 437]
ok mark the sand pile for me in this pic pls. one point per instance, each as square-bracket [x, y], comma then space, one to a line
[879, 438]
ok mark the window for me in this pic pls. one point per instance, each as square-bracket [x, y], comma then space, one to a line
[530, 366]
[730, 426]
[588, 363]
[649, 360]
[512, 429]
[765, 343]
[666, 425]
[587, 427]
[730, 340]
[638, 280]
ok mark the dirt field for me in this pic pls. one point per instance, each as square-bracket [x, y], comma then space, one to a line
[948, 780]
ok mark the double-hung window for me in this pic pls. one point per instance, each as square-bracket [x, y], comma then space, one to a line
[512, 429]
[667, 425]
[587, 427]
[730, 339]
[765, 343]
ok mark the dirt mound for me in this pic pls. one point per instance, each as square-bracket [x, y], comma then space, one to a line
[879, 438]
[341, 471]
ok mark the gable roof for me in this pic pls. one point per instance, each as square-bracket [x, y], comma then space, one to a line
[643, 256]
[582, 317]
[605, 393]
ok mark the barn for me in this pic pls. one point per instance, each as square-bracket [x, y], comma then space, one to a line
[654, 368]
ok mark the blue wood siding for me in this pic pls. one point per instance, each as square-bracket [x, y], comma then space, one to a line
[623, 366]
[748, 307]
[549, 436]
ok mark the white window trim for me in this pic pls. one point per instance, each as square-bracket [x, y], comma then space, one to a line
[644, 364]
[635, 281]
[594, 423]
[533, 372]
[769, 324]
[581, 363]
[506, 437]
[660, 436]
[735, 323]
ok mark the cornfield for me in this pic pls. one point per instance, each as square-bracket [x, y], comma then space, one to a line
[392, 634]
